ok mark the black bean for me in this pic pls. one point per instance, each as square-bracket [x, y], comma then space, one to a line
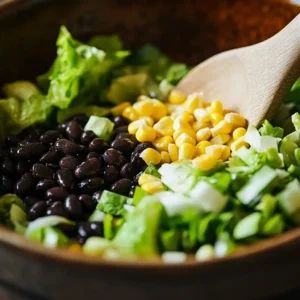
[93, 155]
[24, 184]
[13, 152]
[81, 119]
[12, 140]
[131, 192]
[142, 146]
[23, 143]
[91, 185]
[97, 228]
[122, 186]
[96, 196]
[87, 202]
[137, 176]
[84, 230]
[32, 133]
[50, 157]
[111, 174]
[7, 165]
[74, 130]
[44, 185]
[129, 171]
[87, 137]
[81, 157]
[62, 127]
[53, 166]
[22, 167]
[98, 145]
[29, 200]
[50, 202]
[69, 162]
[126, 135]
[121, 129]
[6, 185]
[50, 136]
[40, 171]
[89, 168]
[37, 210]
[67, 147]
[68, 229]
[57, 193]
[125, 145]
[56, 209]
[73, 207]
[120, 121]
[65, 178]
[114, 157]
[31, 150]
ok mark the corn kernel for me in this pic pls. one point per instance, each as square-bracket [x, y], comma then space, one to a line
[185, 138]
[216, 118]
[135, 125]
[204, 162]
[165, 157]
[185, 117]
[221, 128]
[203, 134]
[145, 134]
[130, 113]
[177, 133]
[230, 142]
[193, 102]
[144, 108]
[225, 153]
[153, 187]
[145, 178]
[118, 109]
[201, 146]
[214, 150]
[202, 115]
[216, 107]
[151, 156]
[76, 248]
[160, 110]
[199, 125]
[239, 143]
[238, 132]
[221, 139]
[164, 126]
[149, 120]
[235, 119]
[143, 98]
[186, 151]
[176, 97]
[174, 108]
[173, 152]
[161, 144]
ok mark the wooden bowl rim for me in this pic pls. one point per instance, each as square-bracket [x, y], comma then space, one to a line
[35, 250]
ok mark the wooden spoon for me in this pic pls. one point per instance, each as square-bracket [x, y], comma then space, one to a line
[253, 80]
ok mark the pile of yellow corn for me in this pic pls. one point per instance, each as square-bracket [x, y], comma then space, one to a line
[185, 128]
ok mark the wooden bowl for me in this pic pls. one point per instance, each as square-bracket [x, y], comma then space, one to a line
[188, 31]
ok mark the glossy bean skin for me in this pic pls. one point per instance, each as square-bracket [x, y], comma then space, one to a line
[31, 150]
[131, 191]
[89, 186]
[24, 184]
[12, 140]
[111, 174]
[89, 168]
[52, 156]
[97, 228]
[74, 130]
[62, 127]
[98, 145]
[67, 147]
[50, 136]
[96, 196]
[87, 202]
[122, 186]
[121, 129]
[7, 166]
[57, 194]
[81, 119]
[69, 162]
[44, 185]
[120, 121]
[40, 171]
[135, 155]
[37, 210]
[114, 157]
[22, 167]
[87, 137]
[30, 201]
[65, 178]
[129, 171]
[124, 144]
[6, 185]
[73, 207]
[94, 155]
[56, 209]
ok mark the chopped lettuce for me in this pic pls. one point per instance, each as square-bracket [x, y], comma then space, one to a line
[102, 127]
[268, 129]
[96, 246]
[248, 226]
[138, 195]
[152, 170]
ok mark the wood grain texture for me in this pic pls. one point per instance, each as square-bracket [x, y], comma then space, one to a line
[202, 28]
[253, 80]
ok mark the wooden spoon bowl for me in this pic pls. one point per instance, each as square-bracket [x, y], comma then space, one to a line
[28, 30]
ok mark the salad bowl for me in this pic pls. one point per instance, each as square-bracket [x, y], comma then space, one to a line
[27, 47]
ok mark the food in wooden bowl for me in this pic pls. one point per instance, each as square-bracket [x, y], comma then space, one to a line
[94, 162]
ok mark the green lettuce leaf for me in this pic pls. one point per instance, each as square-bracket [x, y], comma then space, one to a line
[268, 129]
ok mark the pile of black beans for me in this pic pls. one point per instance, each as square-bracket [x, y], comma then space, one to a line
[63, 170]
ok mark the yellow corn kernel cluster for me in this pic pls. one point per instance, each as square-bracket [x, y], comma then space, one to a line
[185, 127]
[150, 184]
